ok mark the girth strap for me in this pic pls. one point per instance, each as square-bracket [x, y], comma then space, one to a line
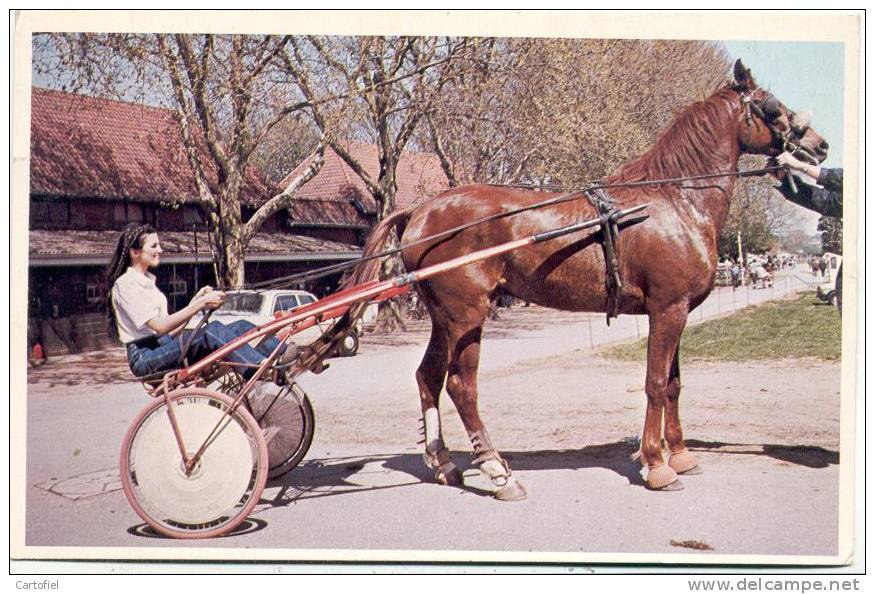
[608, 215]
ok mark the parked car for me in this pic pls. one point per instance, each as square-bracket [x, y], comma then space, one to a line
[369, 319]
[827, 291]
[259, 308]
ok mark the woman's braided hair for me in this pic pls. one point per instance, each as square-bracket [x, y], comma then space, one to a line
[130, 238]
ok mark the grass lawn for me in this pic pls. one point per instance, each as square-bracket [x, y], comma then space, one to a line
[802, 327]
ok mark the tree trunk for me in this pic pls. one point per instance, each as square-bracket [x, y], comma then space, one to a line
[389, 318]
[234, 256]
[230, 246]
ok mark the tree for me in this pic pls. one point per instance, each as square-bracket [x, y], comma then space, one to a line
[565, 111]
[392, 82]
[226, 99]
[285, 147]
[797, 240]
[830, 229]
[748, 217]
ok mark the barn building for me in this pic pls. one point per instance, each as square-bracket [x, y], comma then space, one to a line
[98, 164]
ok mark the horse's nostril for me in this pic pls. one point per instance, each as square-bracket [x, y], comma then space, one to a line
[824, 145]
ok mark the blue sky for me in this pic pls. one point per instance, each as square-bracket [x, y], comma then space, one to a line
[803, 75]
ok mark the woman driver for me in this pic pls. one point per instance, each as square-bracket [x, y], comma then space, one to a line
[137, 311]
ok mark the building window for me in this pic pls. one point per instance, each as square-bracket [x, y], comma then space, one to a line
[95, 288]
[358, 204]
[93, 294]
[178, 287]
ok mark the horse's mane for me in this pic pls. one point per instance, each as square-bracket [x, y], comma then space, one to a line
[689, 145]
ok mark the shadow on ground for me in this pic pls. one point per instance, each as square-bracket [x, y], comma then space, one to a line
[337, 476]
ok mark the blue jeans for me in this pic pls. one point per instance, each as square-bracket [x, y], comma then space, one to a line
[163, 353]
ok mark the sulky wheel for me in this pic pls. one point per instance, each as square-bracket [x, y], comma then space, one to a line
[349, 345]
[286, 417]
[222, 488]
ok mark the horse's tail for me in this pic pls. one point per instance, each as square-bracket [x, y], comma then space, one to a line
[369, 267]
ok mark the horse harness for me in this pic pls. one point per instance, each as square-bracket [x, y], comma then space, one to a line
[768, 109]
[608, 215]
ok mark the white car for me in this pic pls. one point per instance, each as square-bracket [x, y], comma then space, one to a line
[259, 307]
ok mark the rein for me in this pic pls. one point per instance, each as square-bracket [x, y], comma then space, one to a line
[571, 194]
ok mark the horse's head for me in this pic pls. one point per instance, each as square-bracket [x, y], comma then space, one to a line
[767, 127]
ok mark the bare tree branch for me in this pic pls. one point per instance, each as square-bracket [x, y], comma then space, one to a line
[438, 145]
[189, 141]
[285, 198]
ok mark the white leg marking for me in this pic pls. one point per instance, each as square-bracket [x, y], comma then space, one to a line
[433, 439]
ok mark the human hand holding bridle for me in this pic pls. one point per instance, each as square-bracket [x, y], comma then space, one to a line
[789, 161]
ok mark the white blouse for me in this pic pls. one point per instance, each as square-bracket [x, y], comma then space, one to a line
[137, 300]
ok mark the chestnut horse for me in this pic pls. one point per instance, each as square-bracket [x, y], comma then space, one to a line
[667, 266]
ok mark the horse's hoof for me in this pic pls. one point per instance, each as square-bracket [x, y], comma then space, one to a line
[692, 471]
[662, 476]
[683, 462]
[512, 491]
[453, 478]
[675, 486]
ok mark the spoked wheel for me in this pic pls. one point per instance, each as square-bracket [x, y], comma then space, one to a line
[223, 487]
[286, 418]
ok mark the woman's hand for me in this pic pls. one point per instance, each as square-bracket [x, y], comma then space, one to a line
[202, 292]
[206, 298]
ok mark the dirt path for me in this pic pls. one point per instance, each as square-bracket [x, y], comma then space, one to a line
[767, 435]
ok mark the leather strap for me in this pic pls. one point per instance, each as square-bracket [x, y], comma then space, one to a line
[610, 235]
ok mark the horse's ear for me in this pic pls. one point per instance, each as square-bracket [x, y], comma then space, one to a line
[741, 76]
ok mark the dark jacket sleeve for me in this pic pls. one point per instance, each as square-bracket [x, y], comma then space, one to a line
[831, 179]
[827, 200]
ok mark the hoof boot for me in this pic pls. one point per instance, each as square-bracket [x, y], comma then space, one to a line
[661, 477]
[675, 486]
[692, 471]
[511, 491]
[683, 462]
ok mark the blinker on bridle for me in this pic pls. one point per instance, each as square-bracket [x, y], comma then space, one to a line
[768, 109]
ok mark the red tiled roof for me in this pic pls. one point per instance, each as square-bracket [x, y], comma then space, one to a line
[85, 146]
[332, 213]
[58, 246]
[419, 176]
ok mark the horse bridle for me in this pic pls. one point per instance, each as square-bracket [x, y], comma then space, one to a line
[768, 109]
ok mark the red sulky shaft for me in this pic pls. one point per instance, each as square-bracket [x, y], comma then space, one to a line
[338, 304]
